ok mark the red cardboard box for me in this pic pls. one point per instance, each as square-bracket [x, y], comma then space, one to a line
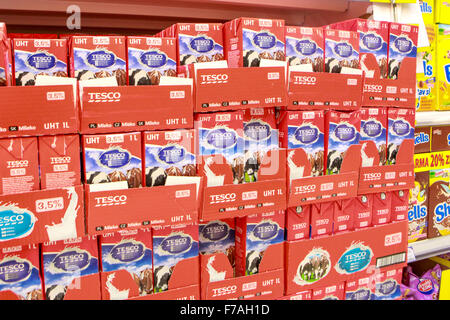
[326, 261]
[341, 134]
[305, 295]
[112, 158]
[196, 42]
[381, 212]
[220, 147]
[19, 166]
[305, 45]
[373, 136]
[254, 235]
[334, 292]
[298, 222]
[302, 133]
[59, 161]
[71, 269]
[34, 57]
[400, 206]
[175, 255]
[98, 57]
[20, 276]
[322, 217]
[168, 153]
[248, 40]
[400, 128]
[360, 289]
[373, 43]
[47, 215]
[150, 58]
[363, 205]
[126, 264]
[341, 50]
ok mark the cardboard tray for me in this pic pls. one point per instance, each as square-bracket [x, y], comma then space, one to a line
[107, 211]
[135, 108]
[323, 91]
[37, 110]
[239, 88]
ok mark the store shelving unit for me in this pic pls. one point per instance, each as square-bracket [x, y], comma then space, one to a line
[432, 118]
[428, 248]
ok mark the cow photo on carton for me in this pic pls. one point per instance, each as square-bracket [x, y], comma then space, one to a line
[302, 133]
[150, 58]
[113, 158]
[220, 147]
[260, 137]
[168, 153]
[34, 57]
[127, 269]
[343, 134]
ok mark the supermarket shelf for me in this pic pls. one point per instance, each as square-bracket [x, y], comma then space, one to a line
[429, 248]
[435, 118]
[125, 16]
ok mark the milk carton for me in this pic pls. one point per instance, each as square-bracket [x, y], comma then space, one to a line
[131, 252]
[373, 136]
[402, 44]
[248, 40]
[400, 128]
[341, 50]
[305, 45]
[112, 158]
[168, 153]
[218, 236]
[38, 57]
[149, 59]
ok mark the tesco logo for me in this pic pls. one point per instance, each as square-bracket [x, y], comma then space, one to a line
[224, 291]
[214, 78]
[308, 188]
[373, 88]
[104, 96]
[372, 176]
[110, 200]
[227, 197]
[309, 80]
[17, 164]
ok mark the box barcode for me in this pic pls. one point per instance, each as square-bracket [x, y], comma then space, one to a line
[390, 260]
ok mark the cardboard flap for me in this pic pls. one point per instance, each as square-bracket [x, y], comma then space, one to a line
[9, 295]
[273, 258]
[369, 153]
[118, 284]
[214, 267]
[84, 288]
[215, 169]
[298, 161]
[273, 165]
[405, 152]
[352, 159]
[186, 293]
[179, 278]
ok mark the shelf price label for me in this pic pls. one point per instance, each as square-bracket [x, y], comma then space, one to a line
[431, 161]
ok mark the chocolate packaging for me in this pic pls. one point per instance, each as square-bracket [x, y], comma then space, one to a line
[59, 161]
[172, 245]
[438, 203]
[440, 138]
[373, 44]
[126, 266]
[19, 168]
[20, 278]
[218, 236]
[418, 207]
[342, 130]
[149, 59]
[260, 134]
[373, 136]
[402, 44]
[305, 45]
[112, 158]
[168, 153]
[70, 269]
[34, 57]
[422, 139]
[254, 235]
[400, 128]
[298, 223]
[221, 147]
[341, 50]
[248, 40]
[302, 133]
[196, 42]
[93, 57]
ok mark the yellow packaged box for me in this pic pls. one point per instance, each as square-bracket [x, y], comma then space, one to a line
[443, 66]
[442, 11]
[426, 89]
[428, 12]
